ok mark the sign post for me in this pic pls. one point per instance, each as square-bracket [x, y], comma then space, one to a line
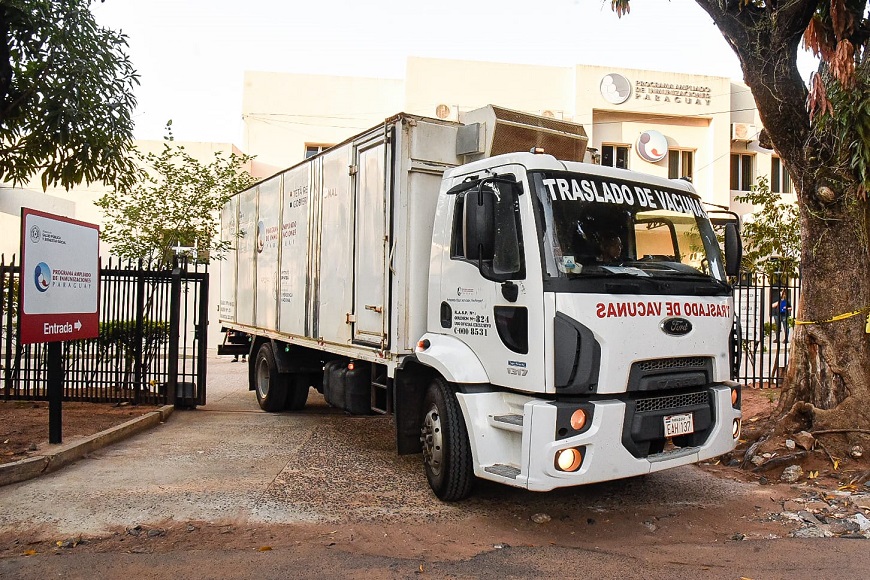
[59, 292]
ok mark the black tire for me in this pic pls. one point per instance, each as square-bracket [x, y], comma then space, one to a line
[297, 394]
[446, 449]
[269, 384]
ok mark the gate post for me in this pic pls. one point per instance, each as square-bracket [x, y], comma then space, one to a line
[174, 323]
[137, 348]
[202, 334]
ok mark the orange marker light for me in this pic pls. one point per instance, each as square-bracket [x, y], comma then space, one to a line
[578, 419]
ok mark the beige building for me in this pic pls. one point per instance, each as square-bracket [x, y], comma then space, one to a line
[663, 123]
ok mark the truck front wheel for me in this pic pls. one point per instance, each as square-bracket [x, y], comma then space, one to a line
[446, 449]
[270, 386]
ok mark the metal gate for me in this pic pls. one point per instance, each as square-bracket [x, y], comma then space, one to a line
[151, 348]
[766, 327]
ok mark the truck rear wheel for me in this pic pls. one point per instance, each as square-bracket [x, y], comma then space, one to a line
[297, 394]
[270, 385]
[446, 449]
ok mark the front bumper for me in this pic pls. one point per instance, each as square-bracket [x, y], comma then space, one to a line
[530, 446]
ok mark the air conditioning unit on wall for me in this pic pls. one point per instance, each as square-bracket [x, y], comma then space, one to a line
[743, 132]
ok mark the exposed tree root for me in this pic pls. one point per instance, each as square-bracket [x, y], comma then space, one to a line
[826, 431]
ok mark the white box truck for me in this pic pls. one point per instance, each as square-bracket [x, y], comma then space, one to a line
[526, 317]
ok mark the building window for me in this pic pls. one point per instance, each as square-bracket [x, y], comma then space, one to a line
[681, 163]
[780, 182]
[312, 150]
[615, 156]
[742, 175]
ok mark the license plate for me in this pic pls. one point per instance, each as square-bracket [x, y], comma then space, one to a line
[679, 425]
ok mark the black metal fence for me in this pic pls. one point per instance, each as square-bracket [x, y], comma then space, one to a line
[765, 307]
[151, 348]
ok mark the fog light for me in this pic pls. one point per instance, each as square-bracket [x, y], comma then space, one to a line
[735, 429]
[569, 459]
[578, 419]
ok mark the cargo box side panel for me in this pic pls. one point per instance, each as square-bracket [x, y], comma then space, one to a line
[229, 227]
[371, 256]
[268, 231]
[425, 151]
[247, 249]
[294, 250]
[336, 248]
[424, 188]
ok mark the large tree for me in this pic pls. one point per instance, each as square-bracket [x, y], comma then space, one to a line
[66, 95]
[822, 132]
[175, 202]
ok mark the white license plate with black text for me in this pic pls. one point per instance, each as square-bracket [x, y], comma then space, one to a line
[679, 425]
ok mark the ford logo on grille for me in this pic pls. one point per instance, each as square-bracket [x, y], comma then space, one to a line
[676, 326]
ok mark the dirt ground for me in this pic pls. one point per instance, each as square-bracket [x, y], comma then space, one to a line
[24, 424]
[442, 547]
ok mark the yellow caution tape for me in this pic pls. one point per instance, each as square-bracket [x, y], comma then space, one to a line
[839, 317]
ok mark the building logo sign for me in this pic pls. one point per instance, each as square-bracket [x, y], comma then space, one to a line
[42, 277]
[672, 93]
[652, 146]
[615, 88]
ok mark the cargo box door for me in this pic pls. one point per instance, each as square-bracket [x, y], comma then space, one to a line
[370, 255]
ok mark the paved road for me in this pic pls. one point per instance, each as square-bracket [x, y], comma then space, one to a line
[355, 508]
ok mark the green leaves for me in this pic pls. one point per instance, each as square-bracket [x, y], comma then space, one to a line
[176, 201]
[772, 237]
[66, 96]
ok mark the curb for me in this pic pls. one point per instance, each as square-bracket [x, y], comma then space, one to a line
[54, 459]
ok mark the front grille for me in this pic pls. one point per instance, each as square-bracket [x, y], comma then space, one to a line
[672, 402]
[666, 364]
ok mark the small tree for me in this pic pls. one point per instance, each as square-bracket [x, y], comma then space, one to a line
[773, 236]
[66, 95]
[176, 202]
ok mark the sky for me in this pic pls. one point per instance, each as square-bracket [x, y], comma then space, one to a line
[191, 55]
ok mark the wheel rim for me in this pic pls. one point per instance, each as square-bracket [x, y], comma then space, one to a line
[263, 378]
[431, 437]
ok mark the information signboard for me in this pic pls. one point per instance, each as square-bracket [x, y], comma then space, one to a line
[59, 278]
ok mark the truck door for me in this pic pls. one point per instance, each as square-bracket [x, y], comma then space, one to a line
[370, 255]
[491, 288]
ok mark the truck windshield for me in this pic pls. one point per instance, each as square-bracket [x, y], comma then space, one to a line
[592, 227]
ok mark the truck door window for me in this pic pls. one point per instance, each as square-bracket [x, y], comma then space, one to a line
[487, 232]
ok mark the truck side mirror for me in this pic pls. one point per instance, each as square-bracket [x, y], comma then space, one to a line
[733, 250]
[479, 226]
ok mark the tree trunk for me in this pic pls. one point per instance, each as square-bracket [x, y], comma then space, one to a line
[829, 366]
[827, 385]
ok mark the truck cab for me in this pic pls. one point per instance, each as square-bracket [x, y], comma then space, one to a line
[582, 317]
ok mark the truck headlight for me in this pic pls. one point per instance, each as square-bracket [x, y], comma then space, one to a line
[569, 459]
